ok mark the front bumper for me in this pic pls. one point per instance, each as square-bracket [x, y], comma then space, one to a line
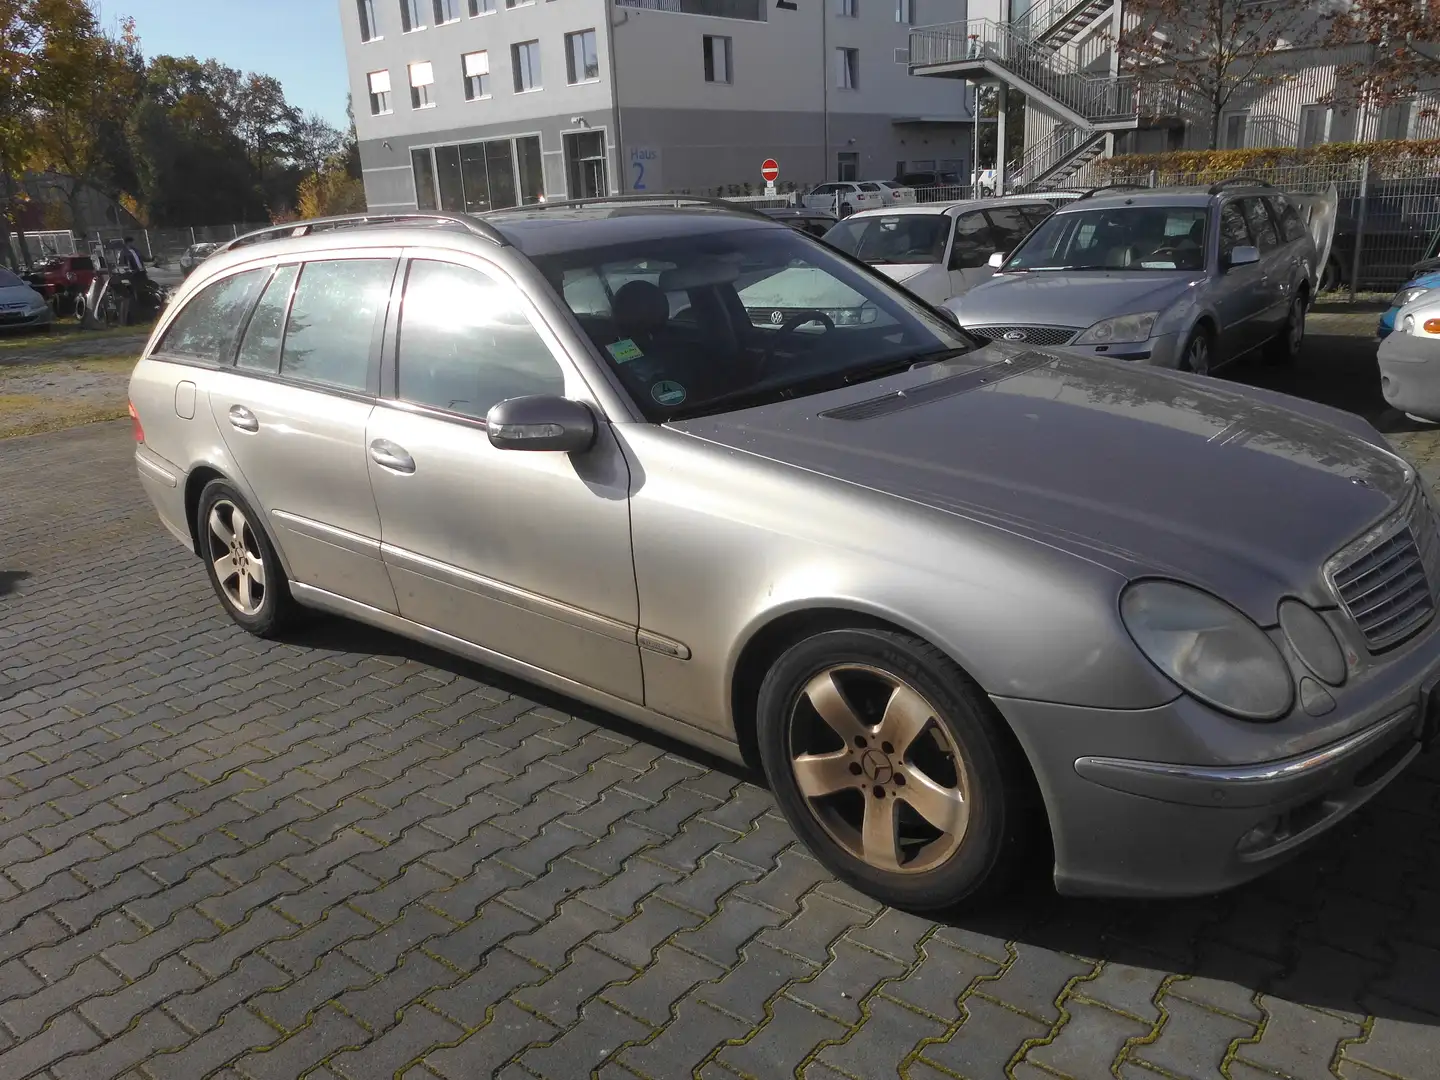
[1181, 801]
[1410, 374]
[1163, 350]
[16, 320]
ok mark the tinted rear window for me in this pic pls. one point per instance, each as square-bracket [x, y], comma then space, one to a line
[332, 321]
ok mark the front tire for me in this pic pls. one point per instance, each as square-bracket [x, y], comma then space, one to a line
[241, 562]
[894, 768]
[1198, 355]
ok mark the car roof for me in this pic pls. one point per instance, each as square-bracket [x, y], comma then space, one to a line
[796, 212]
[538, 231]
[957, 207]
[1165, 196]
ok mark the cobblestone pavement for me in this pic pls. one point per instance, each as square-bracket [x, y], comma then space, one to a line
[347, 856]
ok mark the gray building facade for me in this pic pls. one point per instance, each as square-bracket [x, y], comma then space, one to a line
[480, 104]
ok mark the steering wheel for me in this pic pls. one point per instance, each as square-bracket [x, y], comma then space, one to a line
[789, 326]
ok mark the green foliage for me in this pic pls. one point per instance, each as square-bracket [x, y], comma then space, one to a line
[1216, 164]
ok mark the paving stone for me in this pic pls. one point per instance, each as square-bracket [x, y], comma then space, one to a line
[1089, 1042]
[153, 1032]
[781, 1044]
[1035, 980]
[1297, 1041]
[695, 1033]
[418, 1032]
[1193, 1041]
[558, 999]
[836, 990]
[886, 1036]
[652, 994]
[585, 1046]
[239, 1031]
[981, 1047]
[1126, 988]
[199, 1011]
[327, 1032]
[509, 1031]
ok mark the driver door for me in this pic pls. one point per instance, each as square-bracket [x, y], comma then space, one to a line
[1240, 296]
[524, 553]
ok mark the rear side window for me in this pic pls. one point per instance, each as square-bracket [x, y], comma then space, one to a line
[1261, 227]
[1233, 230]
[332, 321]
[973, 244]
[466, 342]
[207, 326]
[260, 348]
[1291, 227]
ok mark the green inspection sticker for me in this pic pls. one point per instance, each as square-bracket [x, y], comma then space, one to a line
[668, 393]
[624, 351]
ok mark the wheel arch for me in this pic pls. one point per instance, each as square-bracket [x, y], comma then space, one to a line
[195, 480]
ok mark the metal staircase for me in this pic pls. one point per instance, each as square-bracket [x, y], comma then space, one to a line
[1032, 55]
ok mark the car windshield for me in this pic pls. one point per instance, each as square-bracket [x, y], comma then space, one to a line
[1116, 238]
[892, 238]
[701, 324]
[8, 280]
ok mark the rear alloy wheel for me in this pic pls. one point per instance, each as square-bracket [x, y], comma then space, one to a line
[890, 765]
[1198, 352]
[241, 562]
[1285, 349]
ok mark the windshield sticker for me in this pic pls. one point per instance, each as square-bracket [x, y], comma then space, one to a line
[1150, 265]
[624, 351]
[668, 393]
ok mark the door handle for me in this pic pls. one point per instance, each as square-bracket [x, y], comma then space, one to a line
[243, 418]
[389, 456]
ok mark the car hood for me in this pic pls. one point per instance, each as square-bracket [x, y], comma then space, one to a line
[18, 294]
[1140, 470]
[1055, 298]
[903, 272]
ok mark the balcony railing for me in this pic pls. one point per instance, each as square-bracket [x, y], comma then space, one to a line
[750, 10]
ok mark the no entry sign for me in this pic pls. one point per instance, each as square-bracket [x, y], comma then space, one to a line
[770, 170]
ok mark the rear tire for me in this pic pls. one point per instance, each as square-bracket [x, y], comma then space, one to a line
[241, 562]
[1285, 349]
[895, 769]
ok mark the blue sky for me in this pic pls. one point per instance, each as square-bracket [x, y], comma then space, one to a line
[297, 41]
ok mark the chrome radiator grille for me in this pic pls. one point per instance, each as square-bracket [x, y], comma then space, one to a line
[1389, 585]
[1032, 335]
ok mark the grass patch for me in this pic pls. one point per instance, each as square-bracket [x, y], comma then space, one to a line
[50, 415]
[118, 365]
[65, 331]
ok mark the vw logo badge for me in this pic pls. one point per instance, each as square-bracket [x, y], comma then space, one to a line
[777, 317]
[1014, 335]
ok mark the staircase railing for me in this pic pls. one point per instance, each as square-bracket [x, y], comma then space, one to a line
[1044, 155]
[1044, 15]
[1096, 98]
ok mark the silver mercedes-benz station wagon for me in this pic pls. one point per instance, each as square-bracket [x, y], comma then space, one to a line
[683, 463]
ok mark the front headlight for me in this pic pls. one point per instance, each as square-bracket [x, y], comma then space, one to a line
[1404, 296]
[1120, 329]
[1208, 648]
[1408, 326]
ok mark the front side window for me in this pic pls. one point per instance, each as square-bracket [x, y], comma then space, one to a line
[525, 61]
[410, 15]
[711, 322]
[332, 320]
[1234, 232]
[379, 83]
[466, 342]
[717, 55]
[1008, 225]
[260, 348]
[1261, 227]
[847, 69]
[1291, 227]
[582, 63]
[206, 328]
[1149, 238]
[477, 74]
[974, 242]
[369, 28]
[902, 238]
[422, 80]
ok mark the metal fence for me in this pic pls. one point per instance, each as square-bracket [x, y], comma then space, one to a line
[1387, 217]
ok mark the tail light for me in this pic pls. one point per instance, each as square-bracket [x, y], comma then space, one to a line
[135, 421]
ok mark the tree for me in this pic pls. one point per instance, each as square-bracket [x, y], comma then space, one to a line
[1206, 51]
[314, 141]
[987, 107]
[22, 35]
[330, 191]
[1404, 36]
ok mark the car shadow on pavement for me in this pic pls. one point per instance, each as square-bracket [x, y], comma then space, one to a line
[1352, 925]
[10, 580]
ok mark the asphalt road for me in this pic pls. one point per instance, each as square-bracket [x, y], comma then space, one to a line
[347, 855]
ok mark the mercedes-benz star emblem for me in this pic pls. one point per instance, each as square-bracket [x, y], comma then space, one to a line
[777, 317]
[1014, 335]
[877, 767]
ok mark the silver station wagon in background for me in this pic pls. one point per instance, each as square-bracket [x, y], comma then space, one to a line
[1188, 278]
[964, 605]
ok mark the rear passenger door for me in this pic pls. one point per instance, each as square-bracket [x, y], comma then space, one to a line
[524, 553]
[292, 412]
[1274, 263]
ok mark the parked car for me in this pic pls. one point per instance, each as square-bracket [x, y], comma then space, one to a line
[895, 193]
[194, 255]
[845, 198]
[1409, 359]
[938, 252]
[1402, 236]
[1418, 286]
[20, 305]
[930, 179]
[63, 281]
[1174, 277]
[963, 604]
[806, 219]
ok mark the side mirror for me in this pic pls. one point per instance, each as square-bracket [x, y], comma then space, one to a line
[541, 422]
[996, 260]
[1243, 255]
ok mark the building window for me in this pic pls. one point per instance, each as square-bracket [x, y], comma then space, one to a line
[847, 165]
[480, 176]
[582, 63]
[1235, 130]
[410, 17]
[369, 27]
[422, 78]
[481, 7]
[525, 62]
[379, 92]
[718, 60]
[847, 69]
[1314, 125]
[905, 12]
[518, 3]
[847, 9]
[446, 11]
[477, 75]
[1395, 122]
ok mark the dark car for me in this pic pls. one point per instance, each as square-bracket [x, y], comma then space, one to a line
[62, 280]
[1402, 237]
[930, 179]
[805, 218]
[194, 255]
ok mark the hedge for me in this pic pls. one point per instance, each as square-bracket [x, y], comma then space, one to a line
[1260, 157]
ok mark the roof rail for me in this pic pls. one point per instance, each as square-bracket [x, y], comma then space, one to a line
[630, 200]
[1113, 187]
[1239, 181]
[357, 221]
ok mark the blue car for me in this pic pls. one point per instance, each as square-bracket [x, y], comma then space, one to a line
[1413, 289]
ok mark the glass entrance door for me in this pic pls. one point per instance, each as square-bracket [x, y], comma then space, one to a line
[585, 164]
